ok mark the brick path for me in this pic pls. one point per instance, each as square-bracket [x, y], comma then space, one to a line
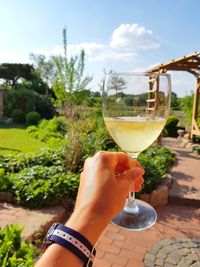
[118, 247]
[32, 220]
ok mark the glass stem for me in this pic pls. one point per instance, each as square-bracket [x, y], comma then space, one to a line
[131, 205]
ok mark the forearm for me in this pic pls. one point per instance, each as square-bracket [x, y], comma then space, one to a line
[86, 224]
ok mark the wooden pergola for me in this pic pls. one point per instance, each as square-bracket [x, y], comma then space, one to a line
[191, 64]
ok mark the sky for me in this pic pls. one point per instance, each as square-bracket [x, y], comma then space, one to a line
[128, 35]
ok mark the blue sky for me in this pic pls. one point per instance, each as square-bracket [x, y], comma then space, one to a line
[123, 35]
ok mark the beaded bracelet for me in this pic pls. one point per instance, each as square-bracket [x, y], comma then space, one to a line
[71, 240]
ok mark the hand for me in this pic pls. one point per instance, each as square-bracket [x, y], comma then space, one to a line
[105, 183]
[104, 186]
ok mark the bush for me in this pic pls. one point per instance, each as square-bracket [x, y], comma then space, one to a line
[186, 104]
[14, 252]
[156, 162]
[44, 107]
[171, 127]
[17, 162]
[18, 116]
[47, 129]
[32, 118]
[39, 186]
[4, 181]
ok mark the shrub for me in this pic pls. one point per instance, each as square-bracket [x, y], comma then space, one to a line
[32, 118]
[171, 127]
[14, 252]
[44, 107]
[17, 162]
[186, 104]
[156, 162]
[4, 181]
[21, 98]
[39, 186]
[47, 129]
[18, 116]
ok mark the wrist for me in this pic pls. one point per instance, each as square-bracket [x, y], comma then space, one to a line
[87, 223]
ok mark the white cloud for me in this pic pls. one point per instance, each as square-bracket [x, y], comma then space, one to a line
[126, 40]
[133, 37]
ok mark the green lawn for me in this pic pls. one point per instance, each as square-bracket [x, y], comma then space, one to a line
[15, 140]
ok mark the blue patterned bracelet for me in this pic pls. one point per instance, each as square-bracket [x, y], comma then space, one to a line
[71, 240]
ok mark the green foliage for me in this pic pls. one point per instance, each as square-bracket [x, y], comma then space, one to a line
[175, 103]
[39, 185]
[187, 107]
[83, 139]
[18, 116]
[12, 72]
[14, 252]
[44, 106]
[5, 184]
[156, 162]
[38, 179]
[21, 98]
[44, 67]
[32, 118]
[24, 98]
[171, 126]
[69, 78]
[49, 131]
[18, 162]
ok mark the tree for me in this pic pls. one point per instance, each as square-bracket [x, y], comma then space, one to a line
[116, 83]
[11, 73]
[70, 77]
[45, 68]
[174, 101]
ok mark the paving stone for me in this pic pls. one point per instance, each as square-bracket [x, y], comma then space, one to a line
[159, 262]
[161, 255]
[169, 253]
[196, 264]
[168, 265]
[173, 258]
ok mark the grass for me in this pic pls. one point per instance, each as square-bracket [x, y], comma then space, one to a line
[14, 139]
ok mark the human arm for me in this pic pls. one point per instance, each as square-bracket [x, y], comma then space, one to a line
[104, 186]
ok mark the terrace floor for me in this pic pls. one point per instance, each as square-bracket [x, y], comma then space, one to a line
[117, 247]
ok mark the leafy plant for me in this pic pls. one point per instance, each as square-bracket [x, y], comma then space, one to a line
[14, 252]
[156, 162]
[49, 128]
[32, 118]
[69, 78]
[18, 116]
[39, 186]
[4, 181]
[171, 126]
[18, 162]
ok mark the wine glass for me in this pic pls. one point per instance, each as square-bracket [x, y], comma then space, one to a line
[135, 110]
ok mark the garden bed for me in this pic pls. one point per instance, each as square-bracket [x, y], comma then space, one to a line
[159, 196]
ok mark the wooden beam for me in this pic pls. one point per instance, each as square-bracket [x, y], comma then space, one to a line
[195, 132]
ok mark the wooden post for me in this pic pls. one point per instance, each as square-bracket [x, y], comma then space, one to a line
[195, 128]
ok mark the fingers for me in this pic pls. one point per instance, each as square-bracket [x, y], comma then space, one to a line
[118, 161]
[133, 174]
[132, 179]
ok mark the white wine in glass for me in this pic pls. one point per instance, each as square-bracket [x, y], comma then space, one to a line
[135, 110]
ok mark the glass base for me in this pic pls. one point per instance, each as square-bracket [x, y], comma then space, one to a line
[140, 217]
